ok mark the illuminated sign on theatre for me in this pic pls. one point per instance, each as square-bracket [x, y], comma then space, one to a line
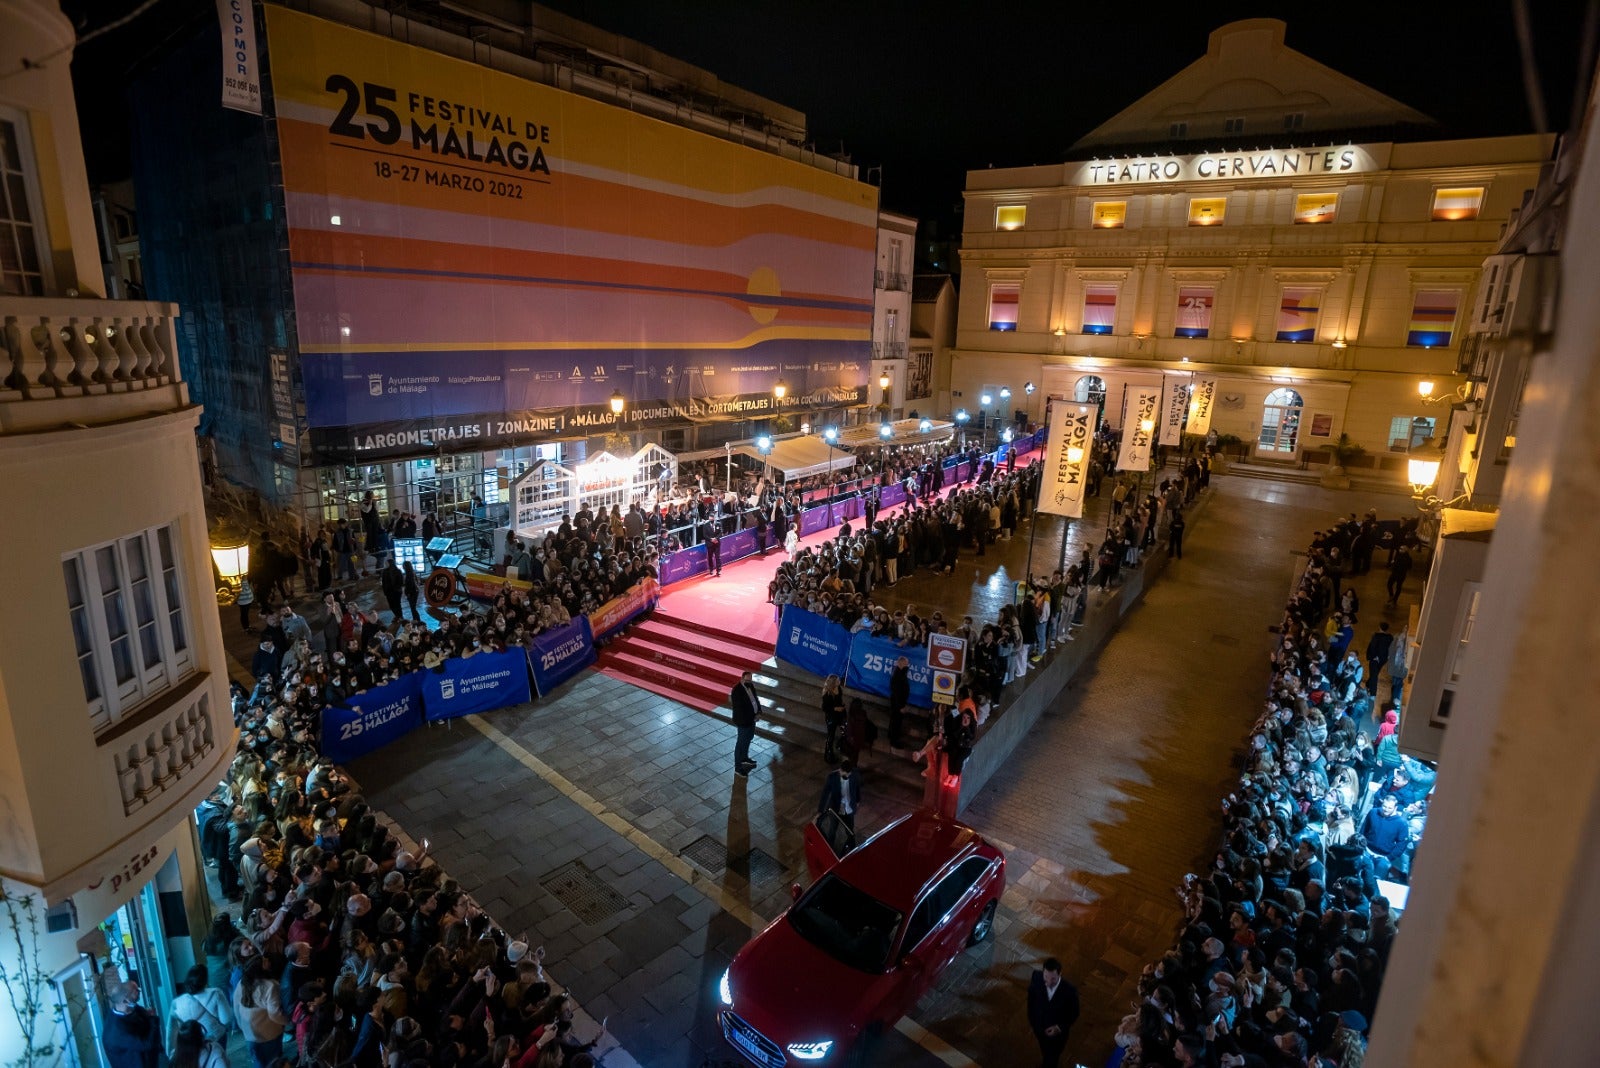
[1274, 163]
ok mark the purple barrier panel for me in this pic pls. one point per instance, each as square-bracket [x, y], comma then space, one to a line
[890, 496]
[813, 520]
[685, 563]
[849, 508]
[959, 472]
[738, 546]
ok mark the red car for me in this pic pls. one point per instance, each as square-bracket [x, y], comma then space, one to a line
[855, 952]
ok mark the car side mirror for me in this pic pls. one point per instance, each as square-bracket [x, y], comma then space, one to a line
[794, 891]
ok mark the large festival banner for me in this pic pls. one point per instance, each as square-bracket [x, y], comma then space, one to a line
[482, 683]
[812, 642]
[1201, 399]
[1066, 460]
[872, 663]
[478, 258]
[557, 654]
[1138, 428]
[373, 719]
[1174, 407]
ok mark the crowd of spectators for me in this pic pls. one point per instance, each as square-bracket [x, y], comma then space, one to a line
[351, 951]
[1287, 934]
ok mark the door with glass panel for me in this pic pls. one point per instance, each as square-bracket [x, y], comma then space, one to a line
[1280, 424]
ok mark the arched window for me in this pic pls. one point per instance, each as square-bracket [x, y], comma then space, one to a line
[1280, 421]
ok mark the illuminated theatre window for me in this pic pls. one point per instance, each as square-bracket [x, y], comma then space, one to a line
[1110, 214]
[1207, 211]
[1099, 309]
[1003, 298]
[1457, 205]
[1010, 216]
[1316, 207]
[1194, 312]
[1433, 317]
[1297, 314]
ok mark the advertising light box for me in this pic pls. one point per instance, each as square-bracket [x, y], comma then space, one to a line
[479, 259]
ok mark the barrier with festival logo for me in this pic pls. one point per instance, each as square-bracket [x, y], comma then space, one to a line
[464, 686]
[373, 719]
[617, 612]
[560, 653]
[812, 642]
[872, 661]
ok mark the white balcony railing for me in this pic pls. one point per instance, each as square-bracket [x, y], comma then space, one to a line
[162, 754]
[53, 347]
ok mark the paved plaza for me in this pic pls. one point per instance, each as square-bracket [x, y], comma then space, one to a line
[606, 821]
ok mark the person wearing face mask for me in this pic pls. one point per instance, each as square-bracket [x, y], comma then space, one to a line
[841, 793]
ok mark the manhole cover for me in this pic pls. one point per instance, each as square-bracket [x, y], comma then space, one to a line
[758, 866]
[1225, 639]
[707, 854]
[584, 893]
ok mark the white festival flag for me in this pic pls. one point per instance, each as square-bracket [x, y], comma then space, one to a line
[1138, 428]
[1200, 402]
[241, 77]
[1174, 406]
[1066, 464]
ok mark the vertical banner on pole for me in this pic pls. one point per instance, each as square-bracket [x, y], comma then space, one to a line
[1200, 401]
[1138, 428]
[1066, 459]
[1174, 406]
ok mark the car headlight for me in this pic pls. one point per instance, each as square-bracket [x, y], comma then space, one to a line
[725, 990]
[810, 1051]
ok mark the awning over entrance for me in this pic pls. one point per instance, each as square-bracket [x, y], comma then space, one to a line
[800, 456]
[906, 432]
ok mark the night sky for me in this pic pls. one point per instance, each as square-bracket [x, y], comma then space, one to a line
[927, 91]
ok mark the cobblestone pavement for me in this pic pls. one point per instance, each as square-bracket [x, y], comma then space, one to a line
[1098, 815]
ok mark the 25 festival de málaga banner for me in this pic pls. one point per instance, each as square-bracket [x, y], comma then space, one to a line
[478, 258]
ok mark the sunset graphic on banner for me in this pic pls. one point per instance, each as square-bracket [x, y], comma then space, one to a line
[1433, 317]
[1297, 315]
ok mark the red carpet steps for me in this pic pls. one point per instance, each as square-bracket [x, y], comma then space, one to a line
[689, 662]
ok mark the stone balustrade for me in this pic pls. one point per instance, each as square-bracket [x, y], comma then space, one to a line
[57, 347]
[163, 753]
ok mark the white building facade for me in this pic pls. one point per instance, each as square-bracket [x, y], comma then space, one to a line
[114, 712]
[891, 311]
[1258, 219]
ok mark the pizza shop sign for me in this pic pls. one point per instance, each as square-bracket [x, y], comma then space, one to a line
[1273, 163]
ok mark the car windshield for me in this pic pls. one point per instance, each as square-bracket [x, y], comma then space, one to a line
[848, 925]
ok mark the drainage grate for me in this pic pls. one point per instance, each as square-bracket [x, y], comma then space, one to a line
[707, 854]
[584, 893]
[1224, 639]
[758, 866]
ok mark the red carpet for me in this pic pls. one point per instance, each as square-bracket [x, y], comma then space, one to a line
[706, 632]
[691, 663]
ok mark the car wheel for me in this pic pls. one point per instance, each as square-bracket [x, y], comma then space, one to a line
[862, 1053]
[985, 925]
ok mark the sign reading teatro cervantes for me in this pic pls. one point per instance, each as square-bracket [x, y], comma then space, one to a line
[1261, 163]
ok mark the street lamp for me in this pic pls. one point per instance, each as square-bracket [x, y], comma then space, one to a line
[764, 446]
[1425, 388]
[230, 551]
[1421, 474]
[781, 390]
[983, 412]
[1005, 393]
[618, 402]
[885, 431]
[961, 421]
[830, 434]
